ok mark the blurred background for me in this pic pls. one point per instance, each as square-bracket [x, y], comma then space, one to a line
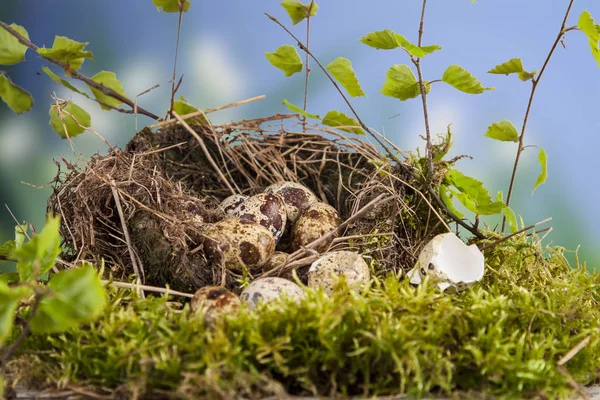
[222, 59]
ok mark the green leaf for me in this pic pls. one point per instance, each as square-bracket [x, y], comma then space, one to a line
[543, 160]
[9, 277]
[286, 58]
[10, 299]
[67, 51]
[342, 122]
[509, 214]
[341, 69]
[472, 194]
[512, 66]
[63, 82]
[415, 50]
[77, 297]
[300, 111]
[38, 256]
[298, 11]
[592, 31]
[11, 50]
[20, 231]
[461, 79]
[107, 79]
[182, 107]
[18, 99]
[504, 131]
[402, 84]
[172, 6]
[7, 248]
[526, 76]
[73, 128]
[381, 40]
[446, 197]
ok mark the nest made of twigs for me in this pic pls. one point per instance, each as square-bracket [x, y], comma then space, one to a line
[141, 210]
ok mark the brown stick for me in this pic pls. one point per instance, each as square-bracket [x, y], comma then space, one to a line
[173, 88]
[487, 246]
[76, 75]
[534, 85]
[125, 285]
[307, 62]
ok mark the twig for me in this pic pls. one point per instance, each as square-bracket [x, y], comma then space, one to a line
[573, 382]
[417, 62]
[208, 110]
[534, 84]
[205, 150]
[125, 285]
[136, 269]
[173, 88]
[307, 61]
[76, 75]
[8, 353]
[487, 246]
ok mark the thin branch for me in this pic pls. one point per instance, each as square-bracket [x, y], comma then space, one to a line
[534, 85]
[125, 285]
[8, 353]
[173, 88]
[76, 75]
[307, 61]
[487, 246]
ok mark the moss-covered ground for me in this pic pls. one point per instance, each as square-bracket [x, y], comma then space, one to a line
[501, 338]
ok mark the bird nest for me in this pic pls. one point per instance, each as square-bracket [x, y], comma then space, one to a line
[141, 211]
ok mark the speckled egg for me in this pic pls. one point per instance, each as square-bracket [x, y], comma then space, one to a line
[266, 209]
[324, 272]
[269, 289]
[231, 203]
[295, 197]
[315, 221]
[278, 258]
[237, 243]
[214, 301]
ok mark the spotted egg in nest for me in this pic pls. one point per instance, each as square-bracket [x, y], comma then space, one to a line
[214, 301]
[295, 197]
[266, 209]
[315, 221]
[237, 244]
[231, 203]
[269, 289]
[325, 272]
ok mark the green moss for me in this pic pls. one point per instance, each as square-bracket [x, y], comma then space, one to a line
[502, 337]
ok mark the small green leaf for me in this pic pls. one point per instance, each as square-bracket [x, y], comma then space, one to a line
[298, 11]
[9, 277]
[300, 111]
[446, 197]
[461, 79]
[415, 50]
[172, 6]
[543, 160]
[20, 231]
[63, 82]
[526, 76]
[342, 122]
[381, 40]
[11, 50]
[18, 99]
[182, 107]
[512, 66]
[67, 51]
[509, 214]
[592, 31]
[73, 123]
[286, 58]
[107, 79]
[472, 194]
[7, 248]
[10, 299]
[341, 69]
[38, 256]
[402, 84]
[504, 131]
[77, 297]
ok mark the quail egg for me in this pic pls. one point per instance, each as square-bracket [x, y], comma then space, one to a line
[278, 258]
[237, 243]
[266, 209]
[214, 301]
[315, 221]
[269, 289]
[295, 197]
[324, 272]
[231, 203]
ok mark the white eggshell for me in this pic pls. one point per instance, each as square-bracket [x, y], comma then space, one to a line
[324, 272]
[449, 262]
[270, 289]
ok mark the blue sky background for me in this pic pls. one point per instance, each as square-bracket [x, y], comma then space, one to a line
[221, 55]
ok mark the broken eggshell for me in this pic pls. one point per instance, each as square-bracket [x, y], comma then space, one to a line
[295, 197]
[269, 289]
[266, 209]
[214, 301]
[449, 262]
[324, 272]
